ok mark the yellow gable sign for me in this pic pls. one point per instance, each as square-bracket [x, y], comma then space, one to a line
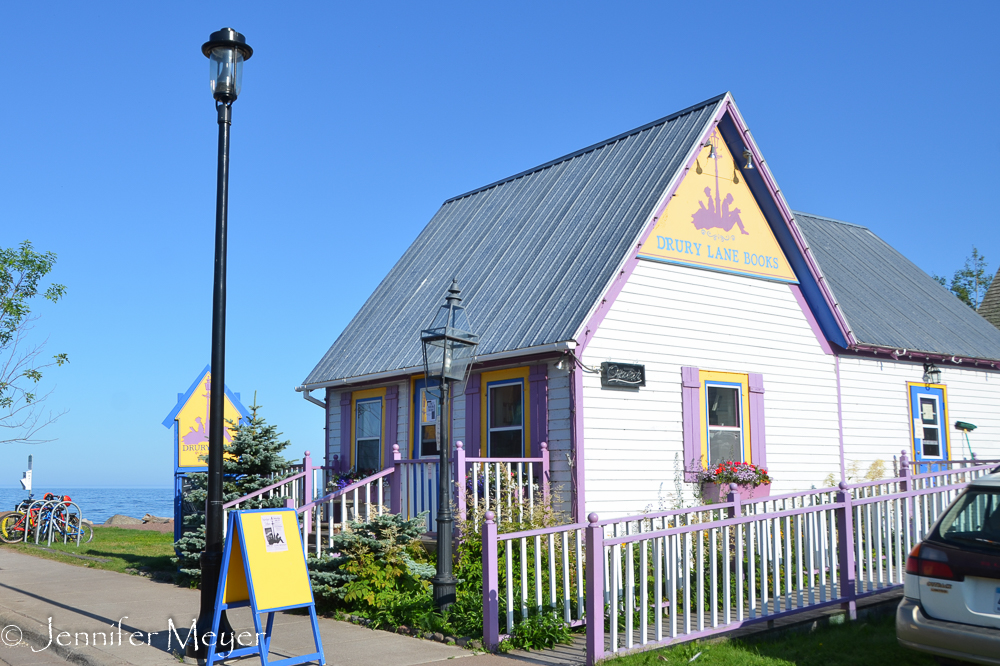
[192, 424]
[713, 221]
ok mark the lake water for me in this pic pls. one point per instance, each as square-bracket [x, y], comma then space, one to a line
[99, 504]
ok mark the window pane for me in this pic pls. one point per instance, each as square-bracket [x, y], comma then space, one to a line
[506, 444]
[369, 421]
[505, 406]
[723, 445]
[930, 435]
[723, 406]
[928, 411]
[428, 441]
[367, 457]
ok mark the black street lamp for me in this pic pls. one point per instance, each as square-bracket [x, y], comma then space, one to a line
[448, 347]
[226, 51]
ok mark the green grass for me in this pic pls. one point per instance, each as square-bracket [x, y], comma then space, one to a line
[113, 549]
[851, 644]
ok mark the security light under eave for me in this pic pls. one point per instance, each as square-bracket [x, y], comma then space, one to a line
[448, 343]
[748, 156]
[932, 374]
[226, 50]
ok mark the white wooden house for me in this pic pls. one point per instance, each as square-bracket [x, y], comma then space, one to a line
[650, 304]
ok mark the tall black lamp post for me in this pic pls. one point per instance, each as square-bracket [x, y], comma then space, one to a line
[226, 51]
[448, 346]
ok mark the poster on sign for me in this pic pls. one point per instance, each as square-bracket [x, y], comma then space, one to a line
[274, 534]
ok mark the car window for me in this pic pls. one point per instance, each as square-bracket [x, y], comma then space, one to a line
[974, 520]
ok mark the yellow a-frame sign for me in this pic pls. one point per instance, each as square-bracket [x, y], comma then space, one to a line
[264, 567]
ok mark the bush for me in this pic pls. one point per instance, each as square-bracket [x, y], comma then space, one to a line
[374, 569]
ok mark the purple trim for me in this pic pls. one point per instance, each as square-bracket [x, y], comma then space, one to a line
[840, 420]
[786, 214]
[813, 324]
[472, 414]
[616, 286]
[691, 417]
[576, 425]
[539, 409]
[391, 421]
[758, 437]
[326, 427]
[908, 355]
[345, 431]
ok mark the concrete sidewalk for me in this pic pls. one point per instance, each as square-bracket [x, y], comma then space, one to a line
[132, 618]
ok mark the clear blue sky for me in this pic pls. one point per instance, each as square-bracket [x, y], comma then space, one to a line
[358, 120]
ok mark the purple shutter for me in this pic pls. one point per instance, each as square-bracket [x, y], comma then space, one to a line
[345, 431]
[691, 409]
[391, 424]
[539, 379]
[472, 416]
[758, 448]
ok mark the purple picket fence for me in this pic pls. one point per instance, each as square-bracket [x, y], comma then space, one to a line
[679, 575]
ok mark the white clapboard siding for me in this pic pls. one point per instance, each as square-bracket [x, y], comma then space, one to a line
[876, 402]
[668, 317]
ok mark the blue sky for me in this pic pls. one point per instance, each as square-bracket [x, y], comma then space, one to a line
[358, 120]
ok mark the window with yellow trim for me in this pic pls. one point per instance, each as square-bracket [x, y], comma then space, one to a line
[367, 430]
[505, 419]
[726, 417]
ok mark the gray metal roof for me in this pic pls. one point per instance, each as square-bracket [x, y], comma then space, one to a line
[890, 302]
[532, 253]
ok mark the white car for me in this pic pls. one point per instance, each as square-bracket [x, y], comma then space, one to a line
[951, 595]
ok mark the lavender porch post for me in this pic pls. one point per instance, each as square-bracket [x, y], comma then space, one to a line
[307, 491]
[845, 552]
[395, 483]
[734, 496]
[904, 486]
[460, 480]
[491, 584]
[545, 472]
[595, 590]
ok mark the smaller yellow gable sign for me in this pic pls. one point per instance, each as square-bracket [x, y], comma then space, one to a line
[713, 221]
[192, 425]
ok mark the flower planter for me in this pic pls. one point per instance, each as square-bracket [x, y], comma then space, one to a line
[716, 493]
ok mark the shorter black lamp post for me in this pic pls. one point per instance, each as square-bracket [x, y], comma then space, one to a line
[448, 351]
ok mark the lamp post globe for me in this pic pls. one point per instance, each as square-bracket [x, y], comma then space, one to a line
[448, 348]
[226, 51]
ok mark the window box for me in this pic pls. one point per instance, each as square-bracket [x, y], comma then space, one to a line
[717, 493]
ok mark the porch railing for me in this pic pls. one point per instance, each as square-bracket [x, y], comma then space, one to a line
[410, 487]
[358, 501]
[300, 483]
[649, 580]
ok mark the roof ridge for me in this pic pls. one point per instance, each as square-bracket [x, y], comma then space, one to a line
[829, 219]
[592, 147]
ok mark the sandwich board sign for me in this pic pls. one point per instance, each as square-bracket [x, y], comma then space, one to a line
[264, 567]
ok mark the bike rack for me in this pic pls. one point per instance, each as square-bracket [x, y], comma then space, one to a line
[65, 520]
[40, 504]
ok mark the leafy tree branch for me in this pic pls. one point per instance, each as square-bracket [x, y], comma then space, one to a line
[22, 363]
